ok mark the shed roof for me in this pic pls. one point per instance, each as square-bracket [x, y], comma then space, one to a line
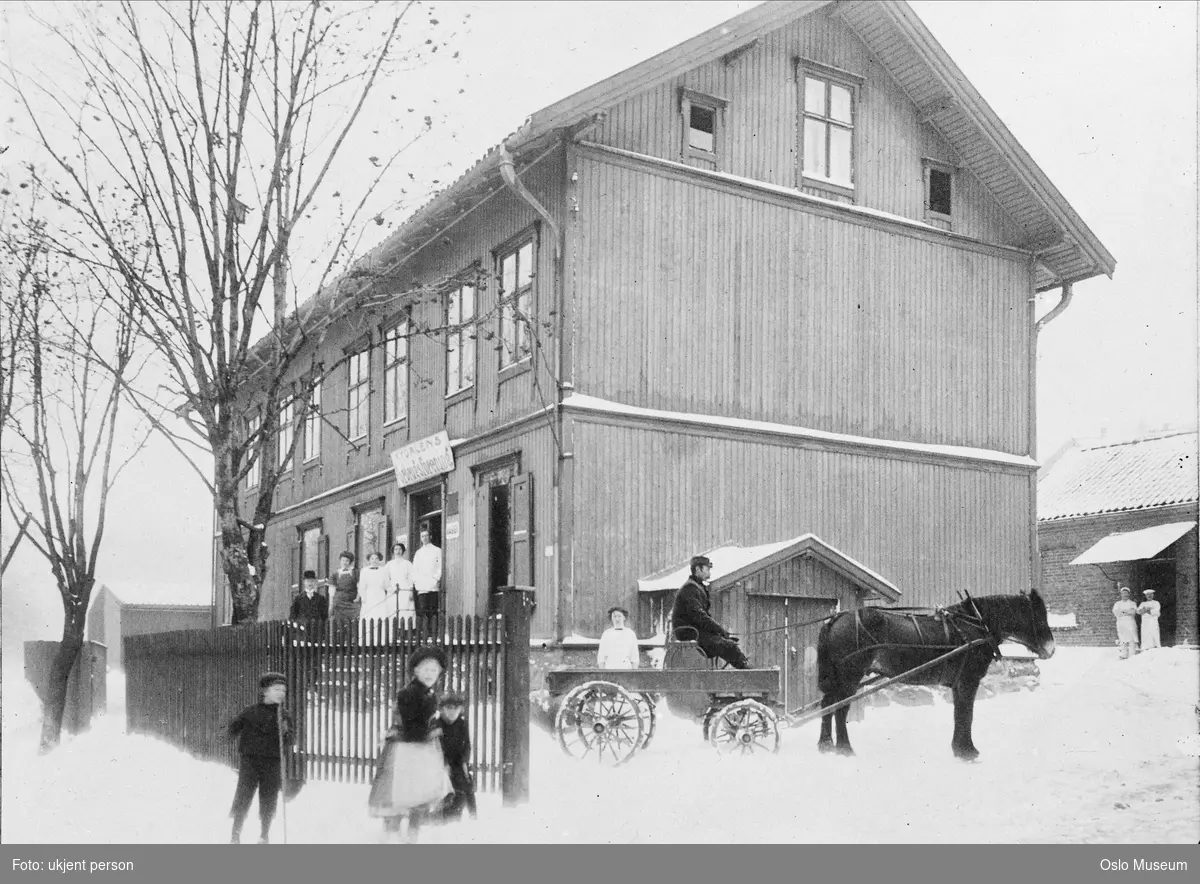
[734, 563]
[1110, 477]
[160, 594]
[1066, 247]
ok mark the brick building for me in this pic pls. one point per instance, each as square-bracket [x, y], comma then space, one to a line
[1119, 513]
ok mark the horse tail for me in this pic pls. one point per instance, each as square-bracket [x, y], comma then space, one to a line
[827, 674]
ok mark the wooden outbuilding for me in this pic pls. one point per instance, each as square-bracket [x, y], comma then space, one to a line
[774, 597]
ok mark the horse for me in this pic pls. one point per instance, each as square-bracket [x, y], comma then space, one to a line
[890, 643]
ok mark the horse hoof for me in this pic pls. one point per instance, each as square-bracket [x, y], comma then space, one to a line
[845, 750]
[966, 754]
[825, 747]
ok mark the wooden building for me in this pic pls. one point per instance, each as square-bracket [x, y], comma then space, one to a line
[1115, 513]
[781, 281]
[117, 612]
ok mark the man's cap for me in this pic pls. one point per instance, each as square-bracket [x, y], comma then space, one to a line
[700, 562]
[310, 575]
[1147, 592]
[270, 678]
[452, 700]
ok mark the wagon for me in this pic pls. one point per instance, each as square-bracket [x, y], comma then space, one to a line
[608, 715]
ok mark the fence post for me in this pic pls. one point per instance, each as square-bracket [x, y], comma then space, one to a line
[517, 606]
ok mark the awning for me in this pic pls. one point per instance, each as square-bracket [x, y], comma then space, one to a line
[1131, 546]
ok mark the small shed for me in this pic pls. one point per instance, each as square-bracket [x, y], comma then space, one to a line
[125, 609]
[774, 597]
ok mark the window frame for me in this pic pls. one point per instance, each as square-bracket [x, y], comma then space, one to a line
[829, 76]
[689, 98]
[512, 248]
[286, 428]
[312, 424]
[466, 336]
[254, 471]
[354, 354]
[399, 330]
[928, 166]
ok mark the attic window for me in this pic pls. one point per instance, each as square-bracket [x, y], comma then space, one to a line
[939, 190]
[701, 125]
[828, 116]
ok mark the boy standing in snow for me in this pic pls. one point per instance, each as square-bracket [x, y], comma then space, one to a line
[456, 750]
[257, 732]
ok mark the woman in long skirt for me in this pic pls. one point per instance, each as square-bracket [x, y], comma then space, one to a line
[411, 774]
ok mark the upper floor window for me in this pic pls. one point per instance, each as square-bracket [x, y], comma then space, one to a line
[359, 402]
[702, 115]
[312, 424]
[460, 339]
[395, 372]
[939, 190]
[253, 425]
[828, 99]
[516, 303]
[285, 435]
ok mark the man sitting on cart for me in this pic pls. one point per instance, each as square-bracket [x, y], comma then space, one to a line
[691, 609]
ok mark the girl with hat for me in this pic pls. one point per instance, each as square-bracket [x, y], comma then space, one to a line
[1150, 610]
[411, 776]
[618, 644]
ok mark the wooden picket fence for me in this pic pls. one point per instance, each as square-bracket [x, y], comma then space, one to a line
[342, 681]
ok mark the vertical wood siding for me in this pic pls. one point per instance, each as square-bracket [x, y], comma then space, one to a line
[698, 300]
[928, 529]
[759, 133]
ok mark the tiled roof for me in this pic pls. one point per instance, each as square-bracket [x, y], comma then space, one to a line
[1114, 477]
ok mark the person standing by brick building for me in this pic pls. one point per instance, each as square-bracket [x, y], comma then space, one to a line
[1125, 612]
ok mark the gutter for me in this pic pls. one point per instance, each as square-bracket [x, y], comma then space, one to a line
[1058, 308]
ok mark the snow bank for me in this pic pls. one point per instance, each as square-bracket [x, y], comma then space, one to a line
[1093, 755]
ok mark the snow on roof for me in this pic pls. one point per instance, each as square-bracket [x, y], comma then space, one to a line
[1109, 477]
[161, 594]
[584, 402]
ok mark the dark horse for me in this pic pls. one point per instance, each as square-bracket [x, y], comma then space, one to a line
[890, 643]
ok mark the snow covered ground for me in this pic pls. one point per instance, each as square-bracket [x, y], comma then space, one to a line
[1103, 751]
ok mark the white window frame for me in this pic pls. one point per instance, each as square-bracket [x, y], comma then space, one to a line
[460, 338]
[284, 435]
[522, 298]
[254, 473]
[312, 425]
[807, 69]
[395, 373]
[358, 393]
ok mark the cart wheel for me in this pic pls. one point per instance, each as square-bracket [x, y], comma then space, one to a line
[646, 712]
[745, 727]
[601, 721]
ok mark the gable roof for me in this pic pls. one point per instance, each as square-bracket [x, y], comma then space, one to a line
[1110, 477]
[734, 563]
[1067, 249]
[159, 594]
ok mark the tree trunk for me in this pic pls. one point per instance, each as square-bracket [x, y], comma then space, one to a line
[60, 673]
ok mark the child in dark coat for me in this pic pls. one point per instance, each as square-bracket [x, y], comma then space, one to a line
[456, 750]
[257, 732]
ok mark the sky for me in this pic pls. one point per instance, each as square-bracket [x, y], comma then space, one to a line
[1105, 103]
[1104, 750]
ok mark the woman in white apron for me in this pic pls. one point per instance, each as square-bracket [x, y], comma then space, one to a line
[1150, 610]
[1125, 612]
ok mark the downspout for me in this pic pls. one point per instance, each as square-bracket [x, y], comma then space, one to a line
[509, 173]
[1064, 302]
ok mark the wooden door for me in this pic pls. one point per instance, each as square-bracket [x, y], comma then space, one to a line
[778, 634]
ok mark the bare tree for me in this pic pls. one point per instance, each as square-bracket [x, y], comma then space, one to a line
[63, 405]
[225, 124]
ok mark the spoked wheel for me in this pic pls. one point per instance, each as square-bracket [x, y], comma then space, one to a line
[599, 721]
[745, 727]
[646, 712]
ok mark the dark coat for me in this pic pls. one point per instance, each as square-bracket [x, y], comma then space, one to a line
[416, 708]
[304, 608]
[691, 608]
[456, 742]
[257, 732]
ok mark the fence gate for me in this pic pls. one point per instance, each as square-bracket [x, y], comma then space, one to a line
[342, 681]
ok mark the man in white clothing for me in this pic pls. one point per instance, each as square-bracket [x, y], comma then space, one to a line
[400, 581]
[427, 574]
